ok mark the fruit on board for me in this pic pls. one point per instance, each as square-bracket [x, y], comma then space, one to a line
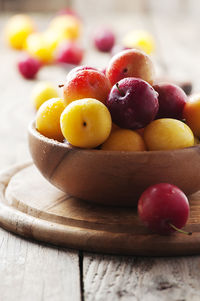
[67, 26]
[42, 92]
[124, 140]
[86, 84]
[70, 53]
[168, 134]
[163, 208]
[86, 123]
[37, 46]
[79, 68]
[48, 118]
[133, 103]
[172, 100]
[18, 28]
[140, 39]
[28, 67]
[104, 39]
[130, 63]
[191, 114]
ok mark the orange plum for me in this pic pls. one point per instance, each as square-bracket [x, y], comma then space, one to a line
[86, 84]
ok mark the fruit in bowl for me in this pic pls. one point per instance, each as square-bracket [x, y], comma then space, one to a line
[114, 146]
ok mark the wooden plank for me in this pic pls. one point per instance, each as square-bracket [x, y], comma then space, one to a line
[31, 271]
[144, 279]
[28, 271]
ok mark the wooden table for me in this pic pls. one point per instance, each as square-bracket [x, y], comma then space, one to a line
[35, 271]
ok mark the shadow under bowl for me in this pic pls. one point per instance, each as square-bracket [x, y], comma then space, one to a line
[114, 178]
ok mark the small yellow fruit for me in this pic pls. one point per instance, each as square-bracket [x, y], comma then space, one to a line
[18, 28]
[124, 140]
[140, 39]
[38, 46]
[42, 92]
[86, 123]
[67, 26]
[168, 134]
[48, 118]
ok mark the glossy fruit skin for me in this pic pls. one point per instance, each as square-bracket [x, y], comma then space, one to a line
[172, 100]
[124, 140]
[42, 92]
[86, 123]
[130, 63]
[138, 105]
[191, 114]
[48, 118]
[104, 39]
[79, 68]
[70, 53]
[28, 67]
[162, 204]
[86, 84]
[168, 134]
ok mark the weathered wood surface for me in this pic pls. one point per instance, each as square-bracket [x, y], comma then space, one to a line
[55, 217]
[30, 271]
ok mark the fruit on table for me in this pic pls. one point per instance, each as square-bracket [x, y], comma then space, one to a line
[133, 103]
[168, 134]
[86, 84]
[66, 25]
[48, 118]
[172, 100]
[42, 92]
[140, 39]
[70, 53]
[86, 123]
[104, 39]
[191, 114]
[130, 63]
[28, 67]
[18, 28]
[124, 140]
[163, 208]
[38, 47]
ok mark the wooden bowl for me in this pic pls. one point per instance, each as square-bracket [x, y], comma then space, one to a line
[112, 177]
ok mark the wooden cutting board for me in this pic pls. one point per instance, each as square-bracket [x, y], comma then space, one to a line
[33, 208]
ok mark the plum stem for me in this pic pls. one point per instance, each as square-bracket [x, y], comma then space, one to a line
[60, 86]
[179, 230]
[120, 91]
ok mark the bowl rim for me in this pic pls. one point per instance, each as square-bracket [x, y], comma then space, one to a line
[33, 131]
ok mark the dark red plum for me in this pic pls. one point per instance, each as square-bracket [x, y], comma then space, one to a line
[133, 103]
[163, 208]
[172, 100]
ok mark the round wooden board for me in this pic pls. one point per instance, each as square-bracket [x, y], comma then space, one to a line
[33, 208]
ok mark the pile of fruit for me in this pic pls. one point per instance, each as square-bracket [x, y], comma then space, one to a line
[121, 110]
[57, 44]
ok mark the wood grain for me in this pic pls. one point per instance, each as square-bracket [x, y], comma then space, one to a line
[105, 275]
[54, 217]
[114, 178]
[143, 279]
